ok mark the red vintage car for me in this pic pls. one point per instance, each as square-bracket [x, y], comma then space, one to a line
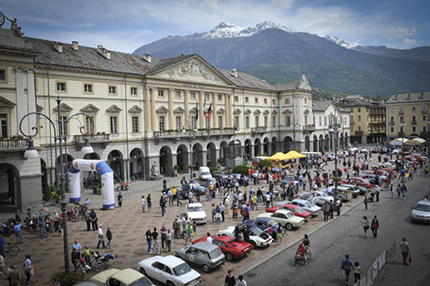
[232, 247]
[357, 181]
[296, 210]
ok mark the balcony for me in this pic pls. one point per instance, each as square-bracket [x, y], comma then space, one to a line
[425, 134]
[177, 135]
[414, 122]
[309, 128]
[392, 123]
[401, 112]
[424, 111]
[15, 144]
[102, 139]
[258, 130]
[359, 133]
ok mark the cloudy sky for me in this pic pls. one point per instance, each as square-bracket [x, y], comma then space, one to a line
[125, 25]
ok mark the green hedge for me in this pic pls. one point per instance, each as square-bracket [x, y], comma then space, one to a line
[241, 169]
[213, 169]
[264, 163]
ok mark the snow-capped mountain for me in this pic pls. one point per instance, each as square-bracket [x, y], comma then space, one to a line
[341, 42]
[227, 30]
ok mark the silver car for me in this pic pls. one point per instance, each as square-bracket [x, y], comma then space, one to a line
[421, 212]
[203, 254]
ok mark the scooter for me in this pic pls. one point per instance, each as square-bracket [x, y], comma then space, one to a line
[300, 257]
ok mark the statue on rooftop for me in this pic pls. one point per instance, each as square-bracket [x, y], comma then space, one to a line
[16, 30]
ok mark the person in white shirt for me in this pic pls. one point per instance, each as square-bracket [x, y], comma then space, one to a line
[241, 281]
[209, 238]
[101, 239]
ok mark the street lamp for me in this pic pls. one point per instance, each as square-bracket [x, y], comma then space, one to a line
[192, 136]
[334, 128]
[31, 152]
[402, 133]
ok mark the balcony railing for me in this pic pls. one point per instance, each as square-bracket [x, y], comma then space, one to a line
[179, 134]
[13, 144]
[359, 132]
[259, 130]
[309, 128]
[102, 139]
[414, 122]
[401, 112]
[392, 123]
[424, 111]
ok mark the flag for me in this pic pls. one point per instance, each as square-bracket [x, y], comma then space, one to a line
[235, 128]
[209, 111]
[197, 111]
[204, 106]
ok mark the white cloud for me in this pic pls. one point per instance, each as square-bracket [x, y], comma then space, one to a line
[399, 32]
[408, 41]
[286, 4]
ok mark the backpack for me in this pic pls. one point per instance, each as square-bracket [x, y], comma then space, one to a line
[245, 212]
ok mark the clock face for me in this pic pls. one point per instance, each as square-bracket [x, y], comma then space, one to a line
[1, 19]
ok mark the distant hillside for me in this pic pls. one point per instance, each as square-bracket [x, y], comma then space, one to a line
[278, 54]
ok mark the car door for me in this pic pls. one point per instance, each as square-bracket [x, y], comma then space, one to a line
[156, 271]
[220, 244]
[191, 255]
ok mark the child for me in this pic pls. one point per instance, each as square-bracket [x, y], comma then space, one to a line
[235, 211]
[357, 272]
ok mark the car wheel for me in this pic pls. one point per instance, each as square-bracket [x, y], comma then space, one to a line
[254, 244]
[143, 271]
[229, 256]
[170, 283]
[206, 268]
[289, 226]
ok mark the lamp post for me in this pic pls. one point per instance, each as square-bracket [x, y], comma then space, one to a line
[31, 152]
[192, 136]
[402, 133]
[334, 128]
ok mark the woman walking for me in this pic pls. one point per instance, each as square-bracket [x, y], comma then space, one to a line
[357, 272]
[375, 226]
[365, 224]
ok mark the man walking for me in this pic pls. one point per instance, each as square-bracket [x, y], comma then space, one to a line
[119, 197]
[149, 239]
[156, 248]
[404, 190]
[375, 226]
[18, 233]
[332, 206]
[366, 200]
[326, 210]
[347, 265]
[404, 249]
[109, 238]
[377, 193]
[176, 228]
[93, 219]
[101, 238]
[41, 222]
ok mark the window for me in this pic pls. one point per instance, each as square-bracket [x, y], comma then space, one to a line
[424, 118]
[413, 108]
[414, 118]
[401, 129]
[220, 122]
[306, 120]
[236, 98]
[392, 118]
[265, 101]
[288, 121]
[113, 125]
[306, 101]
[359, 109]
[325, 121]
[424, 129]
[274, 121]
[3, 126]
[2, 74]
[273, 101]
[287, 101]
[207, 96]
[61, 86]
[266, 121]
[160, 93]
[133, 91]
[247, 99]
[161, 123]
[88, 125]
[135, 124]
[359, 127]
[414, 129]
[63, 126]
[320, 121]
[178, 94]
[401, 119]
[193, 122]
[193, 95]
[178, 123]
[247, 122]
[207, 122]
[359, 117]
[236, 122]
[88, 88]
[392, 129]
[112, 89]
[257, 121]
[313, 120]
[219, 97]
[256, 100]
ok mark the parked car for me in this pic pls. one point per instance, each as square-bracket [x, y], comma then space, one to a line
[258, 237]
[232, 247]
[323, 196]
[309, 197]
[359, 181]
[421, 212]
[220, 175]
[296, 210]
[262, 223]
[285, 218]
[344, 193]
[126, 277]
[204, 173]
[356, 190]
[195, 187]
[209, 182]
[196, 212]
[169, 270]
[206, 255]
[308, 206]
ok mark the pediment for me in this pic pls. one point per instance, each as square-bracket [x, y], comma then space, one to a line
[248, 111]
[90, 109]
[257, 112]
[114, 109]
[135, 109]
[266, 112]
[39, 108]
[306, 112]
[63, 108]
[237, 111]
[220, 111]
[193, 110]
[193, 69]
[162, 109]
[178, 110]
[274, 112]
[6, 102]
[287, 111]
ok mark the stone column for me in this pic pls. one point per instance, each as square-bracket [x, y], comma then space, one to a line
[148, 110]
[214, 109]
[204, 158]
[228, 122]
[227, 109]
[171, 115]
[153, 90]
[20, 98]
[187, 110]
[31, 97]
[201, 117]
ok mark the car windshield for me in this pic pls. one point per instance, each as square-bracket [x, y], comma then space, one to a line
[142, 282]
[216, 252]
[195, 209]
[255, 230]
[289, 215]
[181, 269]
[195, 185]
[422, 207]
[205, 173]
[299, 210]
[272, 222]
[309, 204]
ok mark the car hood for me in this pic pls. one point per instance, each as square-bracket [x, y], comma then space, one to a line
[190, 276]
[420, 213]
[192, 215]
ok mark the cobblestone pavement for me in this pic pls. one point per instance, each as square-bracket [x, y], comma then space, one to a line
[129, 225]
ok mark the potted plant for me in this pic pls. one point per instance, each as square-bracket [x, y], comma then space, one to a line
[176, 168]
[66, 279]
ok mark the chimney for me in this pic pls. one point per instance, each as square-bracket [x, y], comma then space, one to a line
[409, 95]
[422, 94]
[397, 96]
[75, 46]
[58, 47]
[104, 52]
[234, 72]
[147, 58]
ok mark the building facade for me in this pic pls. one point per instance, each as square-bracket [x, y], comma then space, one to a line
[368, 119]
[146, 112]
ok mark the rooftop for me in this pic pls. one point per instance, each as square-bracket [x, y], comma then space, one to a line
[410, 97]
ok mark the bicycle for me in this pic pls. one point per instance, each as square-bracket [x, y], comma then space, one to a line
[12, 250]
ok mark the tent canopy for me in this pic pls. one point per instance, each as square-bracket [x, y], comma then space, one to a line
[294, 155]
[415, 141]
[277, 157]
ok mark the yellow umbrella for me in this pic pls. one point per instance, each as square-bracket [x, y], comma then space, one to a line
[294, 155]
[277, 157]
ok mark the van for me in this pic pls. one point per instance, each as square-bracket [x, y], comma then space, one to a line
[204, 173]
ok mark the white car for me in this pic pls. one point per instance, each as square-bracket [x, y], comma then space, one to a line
[257, 237]
[196, 212]
[204, 173]
[323, 196]
[169, 270]
[308, 206]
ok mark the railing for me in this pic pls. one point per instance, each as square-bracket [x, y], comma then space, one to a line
[392, 123]
[178, 134]
[379, 263]
[258, 130]
[424, 111]
[401, 112]
[309, 128]
[359, 132]
[414, 122]
[95, 138]
[9, 144]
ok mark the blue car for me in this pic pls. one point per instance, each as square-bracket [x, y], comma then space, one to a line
[195, 186]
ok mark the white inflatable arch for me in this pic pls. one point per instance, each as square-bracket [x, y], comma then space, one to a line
[106, 174]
